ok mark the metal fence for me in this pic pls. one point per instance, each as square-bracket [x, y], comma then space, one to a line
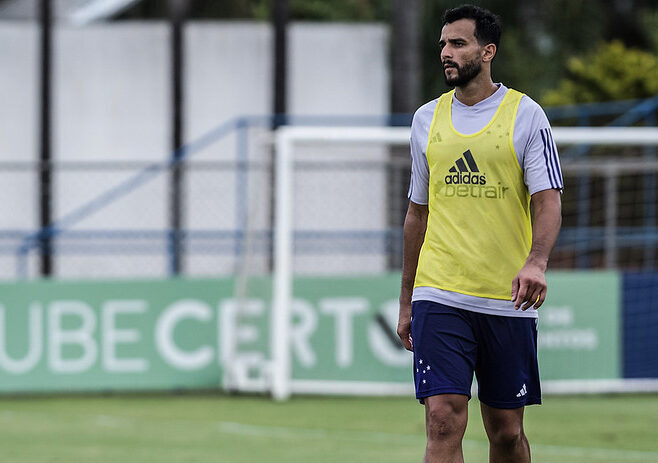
[112, 217]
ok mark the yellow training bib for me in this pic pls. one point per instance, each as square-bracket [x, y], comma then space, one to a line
[479, 230]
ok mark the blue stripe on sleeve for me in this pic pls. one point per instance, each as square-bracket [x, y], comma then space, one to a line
[548, 167]
[556, 162]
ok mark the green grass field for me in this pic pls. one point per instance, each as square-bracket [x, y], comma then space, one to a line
[191, 428]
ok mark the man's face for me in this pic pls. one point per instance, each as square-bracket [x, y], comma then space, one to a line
[460, 52]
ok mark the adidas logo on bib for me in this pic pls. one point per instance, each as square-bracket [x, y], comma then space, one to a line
[465, 172]
[465, 179]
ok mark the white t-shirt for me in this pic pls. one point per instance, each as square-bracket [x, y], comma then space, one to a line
[537, 156]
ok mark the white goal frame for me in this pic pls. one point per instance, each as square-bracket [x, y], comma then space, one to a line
[281, 383]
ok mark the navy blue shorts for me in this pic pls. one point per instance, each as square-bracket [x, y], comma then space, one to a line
[451, 344]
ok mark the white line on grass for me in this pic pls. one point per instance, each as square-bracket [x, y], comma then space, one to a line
[283, 432]
[593, 452]
[242, 429]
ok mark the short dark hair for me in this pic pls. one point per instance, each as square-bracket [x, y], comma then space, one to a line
[488, 26]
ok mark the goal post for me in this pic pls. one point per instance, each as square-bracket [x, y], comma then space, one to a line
[287, 141]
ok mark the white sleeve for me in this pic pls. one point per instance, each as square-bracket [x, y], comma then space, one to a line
[420, 173]
[535, 148]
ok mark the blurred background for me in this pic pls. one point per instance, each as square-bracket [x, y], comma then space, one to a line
[141, 193]
[103, 90]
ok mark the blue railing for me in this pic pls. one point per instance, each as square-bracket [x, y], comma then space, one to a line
[627, 112]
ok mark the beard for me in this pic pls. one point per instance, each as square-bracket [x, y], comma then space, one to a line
[465, 73]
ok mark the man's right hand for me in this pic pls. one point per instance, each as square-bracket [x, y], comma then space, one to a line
[415, 224]
[404, 326]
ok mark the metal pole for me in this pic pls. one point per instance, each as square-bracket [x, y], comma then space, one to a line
[405, 57]
[583, 191]
[281, 244]
[280, 17]
[45, 179]
[178, 9]
[242, 196]
[649, 200]
[610, 219]
[405, 98]
[283, 288]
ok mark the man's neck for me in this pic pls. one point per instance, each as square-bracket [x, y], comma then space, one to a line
[478, 89]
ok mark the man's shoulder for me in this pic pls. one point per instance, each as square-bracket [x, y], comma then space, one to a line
[423, 116]
[426, 109]
[528, 106]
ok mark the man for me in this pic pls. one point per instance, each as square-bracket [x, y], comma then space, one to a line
[474, 262]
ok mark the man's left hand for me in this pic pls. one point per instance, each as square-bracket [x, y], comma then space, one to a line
[529, 287]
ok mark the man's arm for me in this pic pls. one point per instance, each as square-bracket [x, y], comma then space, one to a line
[415, 225]
[529, 285]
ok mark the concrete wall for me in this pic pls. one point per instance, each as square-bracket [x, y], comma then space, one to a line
[112, 105]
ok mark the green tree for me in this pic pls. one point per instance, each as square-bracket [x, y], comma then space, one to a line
[539, 34]
[611, 72]
[306, 10]
[344, 10]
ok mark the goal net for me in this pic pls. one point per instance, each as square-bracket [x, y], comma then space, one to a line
[339, 205]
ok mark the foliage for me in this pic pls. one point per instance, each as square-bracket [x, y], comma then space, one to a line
[649, 20]
[345, 10]
[537, 34]
[312, 10]
[537, 37]
[610, 72]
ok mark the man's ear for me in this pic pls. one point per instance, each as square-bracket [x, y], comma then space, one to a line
[488, 52]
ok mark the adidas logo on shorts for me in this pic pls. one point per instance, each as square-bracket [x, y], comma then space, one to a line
[522, 392]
